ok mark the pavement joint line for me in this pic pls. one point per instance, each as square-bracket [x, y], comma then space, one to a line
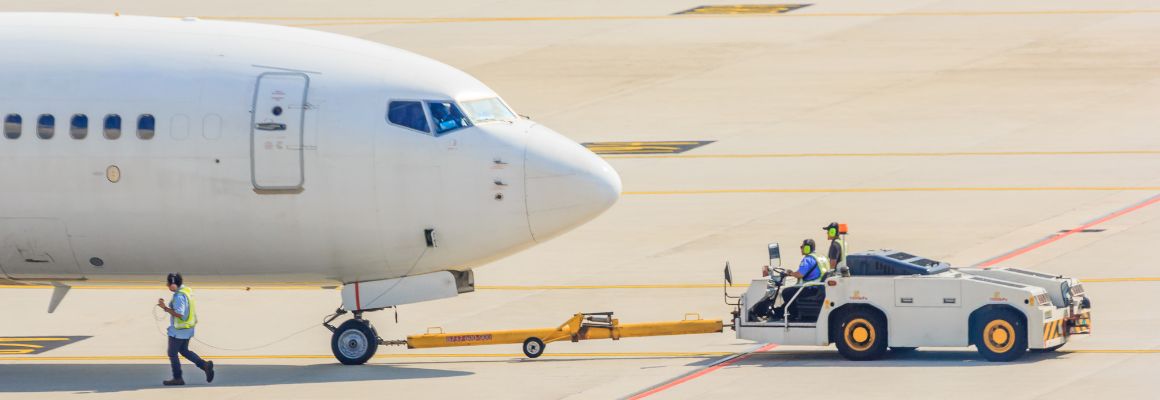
[657, 354]
[890, 154]
[516, 287]
[1059, 236]
[897, 189]
[729, 356]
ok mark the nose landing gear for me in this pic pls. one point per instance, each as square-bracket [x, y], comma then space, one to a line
[355, 341]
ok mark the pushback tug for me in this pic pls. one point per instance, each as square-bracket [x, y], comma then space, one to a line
[887, 299]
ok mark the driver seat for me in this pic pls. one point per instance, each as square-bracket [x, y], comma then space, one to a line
[808, 305]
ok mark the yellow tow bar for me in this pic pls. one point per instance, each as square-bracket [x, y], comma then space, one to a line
[582, 326]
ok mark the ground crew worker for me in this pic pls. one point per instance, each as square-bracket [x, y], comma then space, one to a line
[837, 253]
[813, 266]
[182, 312]
[812, 269]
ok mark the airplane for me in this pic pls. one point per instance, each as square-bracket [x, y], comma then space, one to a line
[239, 154]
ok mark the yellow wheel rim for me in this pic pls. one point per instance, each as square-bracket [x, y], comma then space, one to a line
[999, 336]
[859, 334]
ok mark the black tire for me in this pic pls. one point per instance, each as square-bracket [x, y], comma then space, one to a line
[354, 342]
[1000, 335]
[903, 350]
[533, 347]
[861, 335]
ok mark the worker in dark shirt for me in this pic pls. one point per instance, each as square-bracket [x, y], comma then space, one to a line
[837, 253]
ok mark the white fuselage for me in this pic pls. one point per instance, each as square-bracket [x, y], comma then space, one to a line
[272, 158]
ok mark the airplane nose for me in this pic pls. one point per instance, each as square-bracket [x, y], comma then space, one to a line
[567, 185]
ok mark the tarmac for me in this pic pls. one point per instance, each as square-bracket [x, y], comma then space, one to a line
[1016, 133]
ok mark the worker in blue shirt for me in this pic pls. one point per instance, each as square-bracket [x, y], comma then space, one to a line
[813, 266]
[182, 312]
[812, 269]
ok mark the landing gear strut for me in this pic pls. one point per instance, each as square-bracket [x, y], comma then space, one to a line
[355, 341]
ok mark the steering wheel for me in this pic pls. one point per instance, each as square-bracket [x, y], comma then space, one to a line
[779, 271]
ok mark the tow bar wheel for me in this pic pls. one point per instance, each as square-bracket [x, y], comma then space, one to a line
[1000, 336]
[354, 342]
[861, 335]
[533, 347]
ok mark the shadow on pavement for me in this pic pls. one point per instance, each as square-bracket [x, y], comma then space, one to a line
[918, 358]
[701, 360]
[105, 378]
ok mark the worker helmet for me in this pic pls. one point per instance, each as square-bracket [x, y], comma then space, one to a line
[808, 246]
[174, 279]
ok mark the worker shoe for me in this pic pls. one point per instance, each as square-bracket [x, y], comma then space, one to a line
[208, 371]
[173, 382]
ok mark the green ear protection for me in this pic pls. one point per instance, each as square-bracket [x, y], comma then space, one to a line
[833, 232]
[807, 246]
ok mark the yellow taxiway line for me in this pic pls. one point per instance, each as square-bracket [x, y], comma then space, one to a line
[1113, 351]
[897, 189]
[891, 154]
[506, 287]
[652, 354]
[736, 285]
[341, 21]
[378, 356]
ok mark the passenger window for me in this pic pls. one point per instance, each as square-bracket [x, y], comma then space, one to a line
[45, 126]
[79, 127]
[447, 117]
[146, 127]
[112, 127]
[12, 126]
[408, 114]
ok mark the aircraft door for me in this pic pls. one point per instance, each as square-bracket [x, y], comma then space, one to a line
[409, 187]
[277, 131]
[36, 248]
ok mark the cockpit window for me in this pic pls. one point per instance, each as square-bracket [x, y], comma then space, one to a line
[447, 117]
[409, 114]
[487, 110]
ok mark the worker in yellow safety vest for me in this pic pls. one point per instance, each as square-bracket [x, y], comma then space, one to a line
[182, 312]
[837, 253]
[813, 268]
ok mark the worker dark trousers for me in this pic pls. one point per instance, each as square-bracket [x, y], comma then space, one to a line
[181, 346]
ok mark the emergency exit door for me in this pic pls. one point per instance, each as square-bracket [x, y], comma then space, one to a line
[276, 131]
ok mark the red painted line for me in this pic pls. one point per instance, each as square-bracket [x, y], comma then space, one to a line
[699, 373]
[1056, 237]
[357, 298]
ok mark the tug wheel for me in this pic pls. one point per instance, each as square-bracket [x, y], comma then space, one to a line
[1000, 335]
[861, 335]
[533, 347]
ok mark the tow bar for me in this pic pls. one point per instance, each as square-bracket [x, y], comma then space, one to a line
[582, 326]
